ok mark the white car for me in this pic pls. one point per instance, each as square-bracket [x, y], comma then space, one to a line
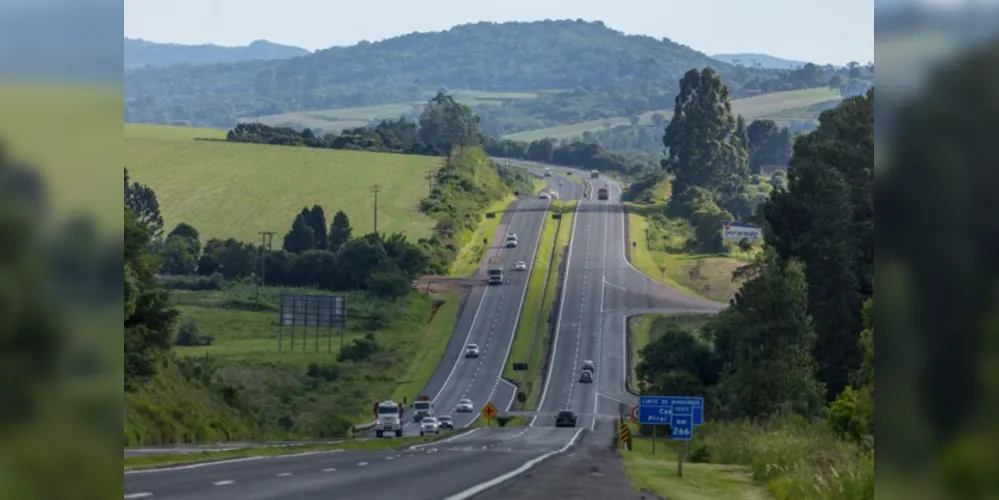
[511, 242]
[471, 351]
[521, 266]
[543, 196]
[464, 406]
[560, 183]
[430, 425]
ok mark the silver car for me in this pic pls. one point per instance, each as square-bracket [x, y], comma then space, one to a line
[586, 377]
[521, 266]
[430, 425]
[471, 351]
[464, 406]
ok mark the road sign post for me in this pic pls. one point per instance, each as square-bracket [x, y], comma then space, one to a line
[489, 412]
[680, 413]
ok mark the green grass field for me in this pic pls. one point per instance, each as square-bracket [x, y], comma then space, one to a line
[763, 106]
[235, 190]
[470, 255]
[534, 330]
[69, 134]
[334, 120]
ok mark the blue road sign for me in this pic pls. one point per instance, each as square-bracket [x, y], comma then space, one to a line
[657, 410]
[681, 427]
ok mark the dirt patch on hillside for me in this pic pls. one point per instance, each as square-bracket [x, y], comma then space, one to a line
[711, 277]
[446, 284]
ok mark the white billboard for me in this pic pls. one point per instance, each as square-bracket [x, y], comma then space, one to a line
[736, 231]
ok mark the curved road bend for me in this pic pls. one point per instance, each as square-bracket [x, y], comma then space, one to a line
[489, 319]
[430, 472]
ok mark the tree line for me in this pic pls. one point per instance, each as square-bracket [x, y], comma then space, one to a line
[798, 336]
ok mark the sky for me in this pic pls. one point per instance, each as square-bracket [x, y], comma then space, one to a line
[820, 31]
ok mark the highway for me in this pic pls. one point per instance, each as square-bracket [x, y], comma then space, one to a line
[451, 469]
[489, 319]
[600, 290]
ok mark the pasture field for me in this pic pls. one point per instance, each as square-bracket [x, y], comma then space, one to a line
[763, 106]
[235, 190]
[69, 135]
[335, 120]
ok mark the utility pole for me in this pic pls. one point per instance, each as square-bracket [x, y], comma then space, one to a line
[430, 182]
[375, 190]
[265, 248]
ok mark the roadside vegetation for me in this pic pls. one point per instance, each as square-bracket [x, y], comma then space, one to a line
[202, 356]
[787, 369]
[537, 319]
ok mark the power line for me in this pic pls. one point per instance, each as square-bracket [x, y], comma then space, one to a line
[430, 182]
[266, 238]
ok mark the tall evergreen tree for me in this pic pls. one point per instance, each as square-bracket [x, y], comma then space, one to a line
[301, 237]
[340, 231]
[141, 200]
[317, 221]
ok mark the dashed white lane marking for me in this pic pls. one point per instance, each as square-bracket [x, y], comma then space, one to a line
[284, 474]
[331, 469]
[361, 464]
[138, 495]
[223, 483]
[389, 458]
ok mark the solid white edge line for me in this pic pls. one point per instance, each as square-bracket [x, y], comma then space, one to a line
[561, 308]
[479, 488]
[520, 310]
[475, 317]
[226, 462]
[442, 441]
[138, 495]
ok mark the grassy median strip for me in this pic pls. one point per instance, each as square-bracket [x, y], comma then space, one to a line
[171, 459]
[470, 255]
[534, 329]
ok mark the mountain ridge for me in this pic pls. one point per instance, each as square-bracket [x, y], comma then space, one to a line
[139, 53]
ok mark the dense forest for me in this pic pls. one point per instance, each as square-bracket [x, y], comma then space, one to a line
[139, 53]
[601, 73]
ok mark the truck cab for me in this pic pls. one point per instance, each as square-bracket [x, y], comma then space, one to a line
[594, 174]
[496, 275]
[565, 418]
[602, 193]
[422, 408]
[388, 418]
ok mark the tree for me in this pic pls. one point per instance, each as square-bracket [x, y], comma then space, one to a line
[301, 237]
[340, 231]
[769, 144]
[825, 219]
[702, 149]
[448, 124]
[317, 221]
[770, 366]
[141, 200]
[149, 317]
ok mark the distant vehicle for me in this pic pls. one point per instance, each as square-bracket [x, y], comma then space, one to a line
[511, 241]
[594, 174]
[471, 351]
[565, 418]
[511, 235]
[446, 422]
[602, 193]
[548, 174]
[429, 425]
[464, 406]
[496, 276]
[561, 183]
[586, 376]
[388, 418]
[543, 195]
[521, 266]
[422, 408]
[588, 365]
[554, 194]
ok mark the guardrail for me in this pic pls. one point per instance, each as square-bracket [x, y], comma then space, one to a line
[364, 427]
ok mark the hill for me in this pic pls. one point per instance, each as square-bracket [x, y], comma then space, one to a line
[235, 190]
[764, 60]
[139, 53]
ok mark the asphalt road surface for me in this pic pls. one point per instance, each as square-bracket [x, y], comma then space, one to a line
[489, 319]
[449, 469]
[600, 290]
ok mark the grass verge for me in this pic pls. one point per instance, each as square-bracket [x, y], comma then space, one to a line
[535, 326]
[661, 243]
[470, 255]
[168, 459]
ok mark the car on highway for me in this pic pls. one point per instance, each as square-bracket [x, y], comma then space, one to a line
[561, 182]
[446, 422]
[548, 174]
[586, 377]
[472, 351]
[565, 418]
[543, 195]
[588, 365]
[464, 406]
[430, 425]
[511, 242]
[521, 265]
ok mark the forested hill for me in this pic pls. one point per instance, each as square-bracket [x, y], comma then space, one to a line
[139, 53]
[515, 56]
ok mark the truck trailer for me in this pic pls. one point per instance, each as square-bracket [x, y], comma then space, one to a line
[602, 193]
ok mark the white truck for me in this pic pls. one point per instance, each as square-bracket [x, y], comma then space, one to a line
[388, 418]
[422, 407]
